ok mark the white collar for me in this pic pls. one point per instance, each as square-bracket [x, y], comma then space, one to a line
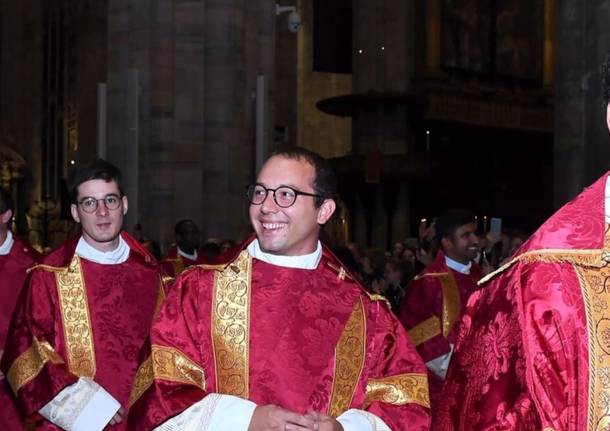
[306, 261]
[457, 266]
[5, 248]
[607, 200]
[113, 257]
[185, 254]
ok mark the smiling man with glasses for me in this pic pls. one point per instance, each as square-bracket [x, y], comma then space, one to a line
[280, 336]
[72, 351]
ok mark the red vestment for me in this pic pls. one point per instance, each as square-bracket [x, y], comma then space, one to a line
[13, 267]
[300, 339]
[432, 309]
[533, 351]
[174, 263]
[81, 318]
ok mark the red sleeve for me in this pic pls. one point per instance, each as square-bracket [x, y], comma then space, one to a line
[178, 356]
[34, 360]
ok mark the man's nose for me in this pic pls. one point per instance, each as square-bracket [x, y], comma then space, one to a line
[101, 209]
[269, 204]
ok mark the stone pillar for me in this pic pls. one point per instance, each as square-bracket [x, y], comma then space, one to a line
[185, 135]
[582, 142]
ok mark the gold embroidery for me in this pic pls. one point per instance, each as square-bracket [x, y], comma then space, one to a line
[425, 330]
[76, 320]
[230, 327]
[27, 366]
[594, 283]
[451, 302]
[349, 361]
[398, 390]
[166, 363]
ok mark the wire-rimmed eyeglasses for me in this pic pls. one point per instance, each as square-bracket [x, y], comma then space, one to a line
[111, 201]
[283, 196]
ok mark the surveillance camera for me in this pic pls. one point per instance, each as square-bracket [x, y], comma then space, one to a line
[294, 21]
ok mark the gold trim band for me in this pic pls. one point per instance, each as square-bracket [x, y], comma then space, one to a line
[349, 361]
[166, 363]
[398, 390]
[231, 326]
[76, 319]
[451, 302]
[425, 331]
[27, 366]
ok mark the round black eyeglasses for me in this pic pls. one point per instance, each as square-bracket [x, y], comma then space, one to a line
[283, 196]
[89, 204]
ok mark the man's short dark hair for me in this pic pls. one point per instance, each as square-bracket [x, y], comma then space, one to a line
[98, 169]
[325, 182]
[182, 226]
[450, 220]
[6, 201]
[605, 72]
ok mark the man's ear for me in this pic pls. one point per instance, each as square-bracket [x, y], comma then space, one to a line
[125, 204]
[6, 216]
[74, 212]
[326, 210]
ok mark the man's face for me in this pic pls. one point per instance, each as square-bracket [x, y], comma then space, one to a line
[190, 237]
[100, 228]
[463, 245]
[291, 231]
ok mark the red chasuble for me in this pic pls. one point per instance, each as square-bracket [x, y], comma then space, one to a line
[300, 339]
[80, 318]
[534, 347]
[432, 309]
[174, 264]
[13, 268]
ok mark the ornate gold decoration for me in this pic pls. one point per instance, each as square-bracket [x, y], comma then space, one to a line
[27, 366]
[166, 363]
[451, 302]
[231, 326]
[595, 287]
[349, 361]
[398, 390]
[76, 320]
[425, 330]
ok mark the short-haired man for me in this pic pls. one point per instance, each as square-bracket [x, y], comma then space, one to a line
[186, 251]
[534, 348]
[280, 337]
[436, 297]
[71, 354]
[15, 258]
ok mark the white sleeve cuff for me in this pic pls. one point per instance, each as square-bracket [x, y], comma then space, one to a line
[361, 420]
[216, 412]
[440, 364]
[82, 406]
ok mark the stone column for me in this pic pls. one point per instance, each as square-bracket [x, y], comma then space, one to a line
[188, 152]
[582, 142]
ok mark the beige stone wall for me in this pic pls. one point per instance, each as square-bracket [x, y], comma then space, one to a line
[326, 134]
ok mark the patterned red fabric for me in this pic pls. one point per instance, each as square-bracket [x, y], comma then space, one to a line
[13, 268]
[296, 319]
[121, 300]
[521, 360]
[424, 300]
